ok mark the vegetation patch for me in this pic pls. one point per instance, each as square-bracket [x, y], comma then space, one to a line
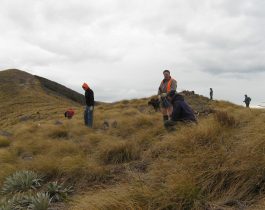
[119, 152]
[21, 181]
[25, 190]
[225, 119]
[4, 142]
[59, 133]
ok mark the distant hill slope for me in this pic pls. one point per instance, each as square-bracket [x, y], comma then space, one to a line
[55, 88]
[24, 96]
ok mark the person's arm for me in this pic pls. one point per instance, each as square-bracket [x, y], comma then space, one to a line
[173, 85]
[87, 98]
[176, 111]
[92, 98]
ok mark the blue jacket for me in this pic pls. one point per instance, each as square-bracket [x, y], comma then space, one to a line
[181, 110]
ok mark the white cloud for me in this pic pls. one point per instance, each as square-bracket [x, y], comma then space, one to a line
[121, 47]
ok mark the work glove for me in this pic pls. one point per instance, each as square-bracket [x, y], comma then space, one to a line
[91, 108]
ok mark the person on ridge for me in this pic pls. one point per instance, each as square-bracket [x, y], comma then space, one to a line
[247, 100]
[182, 112]
[167, 84]
[211, 94]
[89, 98]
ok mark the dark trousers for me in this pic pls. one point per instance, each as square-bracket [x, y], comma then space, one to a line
[88, 116]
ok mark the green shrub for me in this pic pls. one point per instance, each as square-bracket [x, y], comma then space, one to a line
[41, 201]
[21, 181]
[17, 202]
[20, 201]
[57, 192]
[5, 206]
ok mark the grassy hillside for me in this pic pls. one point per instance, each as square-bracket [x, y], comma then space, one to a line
[135, 163]
[26, 97]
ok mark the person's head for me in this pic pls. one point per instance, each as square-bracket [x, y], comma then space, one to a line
[171, 94]
[211, 89]
[85, 86]
[166, 74]
[246, 95]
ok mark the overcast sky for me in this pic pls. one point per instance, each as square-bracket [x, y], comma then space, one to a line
[121, 47]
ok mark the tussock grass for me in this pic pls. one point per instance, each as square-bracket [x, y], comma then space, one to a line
[117, 199]
[130, 112]
[119, 152]
[48, 166]
[6, 170]
[4, 142]
[224, 119]
[59, 133]
[7, 156]
[180, 195]
[142, 122]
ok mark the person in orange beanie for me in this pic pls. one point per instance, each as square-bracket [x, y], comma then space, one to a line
[89, 98]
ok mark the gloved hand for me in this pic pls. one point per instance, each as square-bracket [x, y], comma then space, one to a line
[91, 108]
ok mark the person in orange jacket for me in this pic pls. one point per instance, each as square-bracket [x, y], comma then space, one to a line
[168, 84]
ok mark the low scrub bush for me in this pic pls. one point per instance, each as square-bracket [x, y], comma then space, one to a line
[21, 181]
[20, 201]
[5, 206]
[40, 201]
[58, 192]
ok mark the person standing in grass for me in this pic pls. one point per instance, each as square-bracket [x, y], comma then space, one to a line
[167, 84]
[247, 101]
[182, 112]
[211, 93]
[89, 97]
